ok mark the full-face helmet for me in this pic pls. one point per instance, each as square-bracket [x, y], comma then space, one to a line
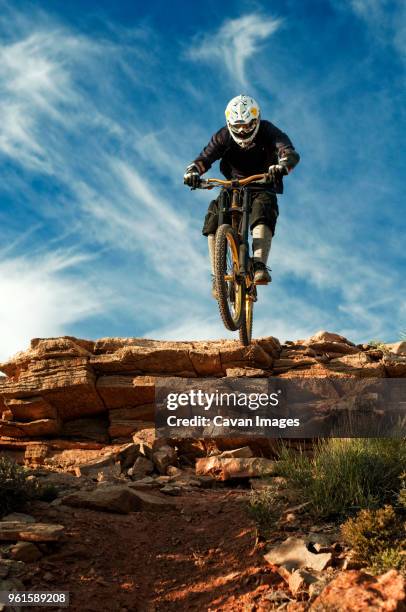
[243, 116]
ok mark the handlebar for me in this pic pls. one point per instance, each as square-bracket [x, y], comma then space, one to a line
[215, 182]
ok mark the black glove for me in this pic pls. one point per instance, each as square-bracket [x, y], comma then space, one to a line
[276, 172]
[192, 176]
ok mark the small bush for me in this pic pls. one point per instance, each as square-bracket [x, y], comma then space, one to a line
[402, 492]
[47, 492]
[378, 344]
[346, 474]
[264, 507]
[15, 489]
[377, 538]
[389, 558]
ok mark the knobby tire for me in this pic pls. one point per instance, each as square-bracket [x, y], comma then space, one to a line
[245, 331]
[230, 312]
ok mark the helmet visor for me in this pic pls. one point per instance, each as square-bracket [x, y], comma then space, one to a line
[244, 130]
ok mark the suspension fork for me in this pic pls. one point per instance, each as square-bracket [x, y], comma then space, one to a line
[244, 233]
[235, 209]
[222, 207]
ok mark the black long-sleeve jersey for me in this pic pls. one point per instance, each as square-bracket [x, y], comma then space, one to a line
[270, 146]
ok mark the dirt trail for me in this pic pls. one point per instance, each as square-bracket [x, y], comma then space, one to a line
[201, 557]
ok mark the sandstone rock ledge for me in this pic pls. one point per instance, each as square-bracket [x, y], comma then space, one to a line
[75, 393]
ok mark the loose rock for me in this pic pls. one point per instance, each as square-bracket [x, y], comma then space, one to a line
[163, 458]
[355, 591]
[240, 453]
[397, 348]
[93, 468]
[293, 554]
[119, 499]
[225, 469]
[300, 579]
[325, 336]
[25, 551]
[141, 468]
[107, 498]
[19, 517]
[30, 532]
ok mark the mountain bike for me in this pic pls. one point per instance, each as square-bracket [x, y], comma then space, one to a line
[233, 266]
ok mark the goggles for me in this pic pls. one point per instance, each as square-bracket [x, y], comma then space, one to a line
[243, 130]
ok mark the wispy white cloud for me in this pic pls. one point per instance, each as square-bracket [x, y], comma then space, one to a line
[301, 253]
[276, 313]
[114, 176]
[235, 43]
[35, 88]
[59, 125]
[192, 328]
[41, 296]
[400, 32]
[385, 18]
[369, 9]
[287, 315]
[151, 148]
[131, 214]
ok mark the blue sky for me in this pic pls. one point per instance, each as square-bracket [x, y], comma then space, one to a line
[103, 104]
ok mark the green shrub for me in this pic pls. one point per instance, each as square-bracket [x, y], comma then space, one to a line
[346, 474]
[378, 344]
[389, 558]
[402, 492]
[264, 507]
[15, 489]
[377, 538]
[46, 492]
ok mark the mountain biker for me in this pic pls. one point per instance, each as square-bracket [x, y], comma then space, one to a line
[247, 145]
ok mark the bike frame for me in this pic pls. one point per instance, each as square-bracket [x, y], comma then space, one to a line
[241, 191]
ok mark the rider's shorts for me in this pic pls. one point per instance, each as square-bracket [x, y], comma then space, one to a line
[264, 211]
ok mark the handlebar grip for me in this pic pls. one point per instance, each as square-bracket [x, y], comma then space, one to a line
[186, 182]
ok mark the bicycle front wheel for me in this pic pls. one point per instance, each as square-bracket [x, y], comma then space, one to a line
[230, 290]
[245, 331]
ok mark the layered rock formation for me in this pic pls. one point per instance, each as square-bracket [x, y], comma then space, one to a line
[68, 392]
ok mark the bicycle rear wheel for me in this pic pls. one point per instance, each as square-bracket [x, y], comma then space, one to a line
[230, 291]
[245, 331]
